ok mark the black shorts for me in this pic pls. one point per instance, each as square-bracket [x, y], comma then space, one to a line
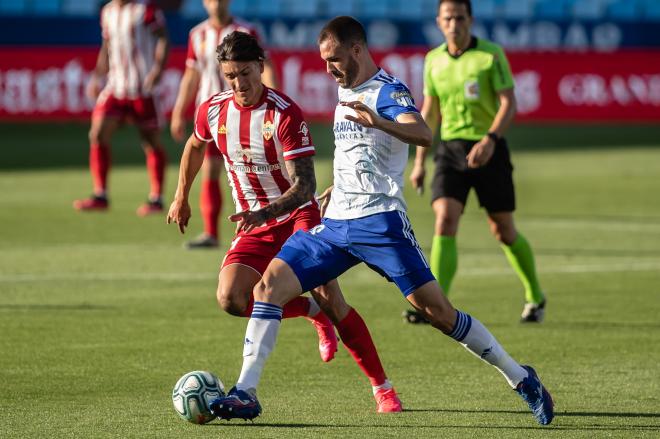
[492, 182]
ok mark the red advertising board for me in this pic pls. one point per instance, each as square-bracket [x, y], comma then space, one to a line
[49, 83]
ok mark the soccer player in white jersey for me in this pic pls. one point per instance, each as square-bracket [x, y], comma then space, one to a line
[268, 150]
[202, 78]
[365, 222]
[133, 55]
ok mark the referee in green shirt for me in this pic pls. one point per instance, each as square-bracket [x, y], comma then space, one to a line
[468, 84]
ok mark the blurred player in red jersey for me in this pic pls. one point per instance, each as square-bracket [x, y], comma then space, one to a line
[268, 149]
[133, 55]
[202, 77]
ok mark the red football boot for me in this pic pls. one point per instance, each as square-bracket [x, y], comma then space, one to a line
[327, 336]
[388, 401]
[150, 208]
[91, 204]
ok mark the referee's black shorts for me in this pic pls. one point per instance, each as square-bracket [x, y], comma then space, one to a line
[492, 182]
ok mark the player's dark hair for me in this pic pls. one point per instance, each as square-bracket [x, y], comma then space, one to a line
[467, 3]
[240, 46]
[344, 30]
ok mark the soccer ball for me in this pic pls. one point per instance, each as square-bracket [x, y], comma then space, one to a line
[193, 393]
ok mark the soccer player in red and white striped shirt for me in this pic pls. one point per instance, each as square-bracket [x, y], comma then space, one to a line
[268, 150]
[133, 55]
[202, 77]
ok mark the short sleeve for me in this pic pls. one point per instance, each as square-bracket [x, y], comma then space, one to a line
[191, 56]
[393, 100]
[429, 88]
[294, 134]
[202, 130]
[154, 18]
[501, 75]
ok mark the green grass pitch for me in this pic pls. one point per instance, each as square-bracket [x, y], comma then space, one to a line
[100, 314]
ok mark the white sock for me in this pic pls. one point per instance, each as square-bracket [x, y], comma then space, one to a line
[386, 385]
[477, 339]
[314, 307]
[260, 337]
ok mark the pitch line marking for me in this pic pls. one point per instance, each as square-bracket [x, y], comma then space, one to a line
[474, 272]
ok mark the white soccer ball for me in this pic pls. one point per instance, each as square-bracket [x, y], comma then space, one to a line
[193, 393]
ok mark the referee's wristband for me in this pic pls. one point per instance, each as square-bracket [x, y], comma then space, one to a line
[494, 136]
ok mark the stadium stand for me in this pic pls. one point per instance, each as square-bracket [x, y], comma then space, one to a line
[517, 10]
[624, 10]
[488, 10]
[13, 7]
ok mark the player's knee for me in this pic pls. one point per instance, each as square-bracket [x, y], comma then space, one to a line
[446, 225]
[442, 320]
[504, 234]
[94, 135]
[231, 301]
[263, 291]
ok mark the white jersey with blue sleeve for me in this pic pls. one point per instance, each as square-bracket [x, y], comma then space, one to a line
[369, 163]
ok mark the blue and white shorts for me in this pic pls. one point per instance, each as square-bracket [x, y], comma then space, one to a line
[383, 241]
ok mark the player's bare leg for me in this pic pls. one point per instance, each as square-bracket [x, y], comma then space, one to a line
[156, 163]
[520, 256]
[100, 135]
[235, 284]
[278, 286]
[234, 295]
[210, 203]
[444, 254]
[474, 336]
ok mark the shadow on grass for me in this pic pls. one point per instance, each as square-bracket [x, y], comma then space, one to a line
[55, 307]
[558, 420]
[443, 427]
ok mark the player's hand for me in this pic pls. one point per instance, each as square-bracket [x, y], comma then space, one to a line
[324, 199]
[93, 88]
[247, 220]
[179, 213]
[151, 80]
[417, 177]
[481, 153]
[363, 114]
[178, 128]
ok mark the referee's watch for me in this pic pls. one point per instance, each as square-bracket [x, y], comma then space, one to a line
[495, 138]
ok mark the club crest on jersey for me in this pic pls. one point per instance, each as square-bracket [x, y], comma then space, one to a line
[222, 129]
[403, 98]
[268, 130]
[305, 133]
[471, 90]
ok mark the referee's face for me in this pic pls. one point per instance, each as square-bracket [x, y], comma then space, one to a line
[454, 22]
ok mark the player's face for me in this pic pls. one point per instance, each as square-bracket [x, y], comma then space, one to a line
[244, 78]
[216, 8]
[341, 62]
[454, 22]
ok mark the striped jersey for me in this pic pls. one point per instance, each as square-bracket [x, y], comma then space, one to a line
[203, 40]
[129, 33]
[369, 163]
[255, 142]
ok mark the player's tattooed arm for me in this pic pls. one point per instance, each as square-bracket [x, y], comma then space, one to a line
[302, 190]
[301, 172]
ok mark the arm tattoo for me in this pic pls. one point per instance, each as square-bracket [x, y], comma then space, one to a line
[301, 171]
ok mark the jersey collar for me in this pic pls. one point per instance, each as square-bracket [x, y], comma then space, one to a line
[365, 83]
[259, 103]
[473, 45]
